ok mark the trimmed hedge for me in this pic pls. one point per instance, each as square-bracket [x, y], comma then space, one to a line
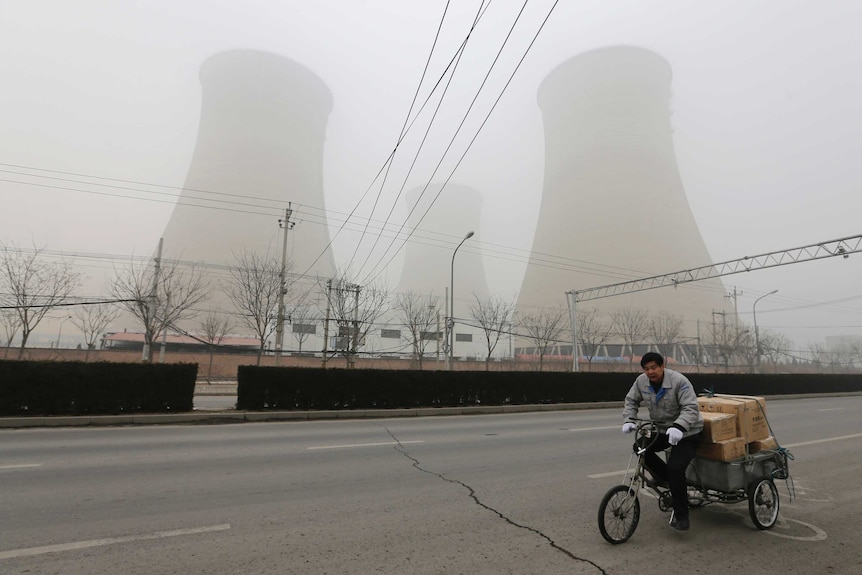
[100, 388]
[291, 388]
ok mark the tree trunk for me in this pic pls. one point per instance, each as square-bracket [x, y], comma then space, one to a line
[25, 335]
[210, 367]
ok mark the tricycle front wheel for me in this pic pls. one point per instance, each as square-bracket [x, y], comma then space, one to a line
[619, 513]
[763, 503]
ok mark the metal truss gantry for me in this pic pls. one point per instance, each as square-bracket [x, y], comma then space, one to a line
[841, 247]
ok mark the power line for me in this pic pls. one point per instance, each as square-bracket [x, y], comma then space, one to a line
[473, 140]
[448, 148]
[404, 126]
[136, 182]
[456, 59]
[154, 200]
[503, 253]
[68, 304]
[387, 163]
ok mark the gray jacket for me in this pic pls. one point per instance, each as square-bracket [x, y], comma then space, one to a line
[675, 402]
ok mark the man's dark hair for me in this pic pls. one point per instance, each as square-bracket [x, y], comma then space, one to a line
[652, 356]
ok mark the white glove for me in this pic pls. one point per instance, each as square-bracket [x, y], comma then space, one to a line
[628, 427]
[673, 435]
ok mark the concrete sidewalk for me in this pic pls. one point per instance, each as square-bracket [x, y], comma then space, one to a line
[216, 388]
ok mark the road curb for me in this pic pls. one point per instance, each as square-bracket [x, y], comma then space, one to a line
[218, 417]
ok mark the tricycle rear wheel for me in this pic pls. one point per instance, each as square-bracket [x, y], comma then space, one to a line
[619, 513]
[763, 503]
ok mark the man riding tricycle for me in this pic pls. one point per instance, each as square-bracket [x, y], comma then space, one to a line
[684, 479]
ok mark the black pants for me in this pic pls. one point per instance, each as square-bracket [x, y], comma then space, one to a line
[673, 472]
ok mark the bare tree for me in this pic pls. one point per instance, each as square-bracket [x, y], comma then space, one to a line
[11, 325]
[632, 325]
[855, 349]
[160, 296]
[818, 353]
[842, 355]
[304, 320]
[34, 286]
[494, 316]
[93, 320]
[698, 352]
[543, 327]
[665, 330]
[774, 346]
[747, 348]
[215, 327]
[420, 315]
[727, 340]
[355, 310]
[593, 333]
[255, 289]
[832, 356]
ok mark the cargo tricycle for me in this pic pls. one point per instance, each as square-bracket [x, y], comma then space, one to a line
[751, 478]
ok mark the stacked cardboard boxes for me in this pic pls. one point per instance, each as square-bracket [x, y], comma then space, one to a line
[762, 445]
[733, 427]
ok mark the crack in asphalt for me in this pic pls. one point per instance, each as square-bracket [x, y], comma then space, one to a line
[472, 494]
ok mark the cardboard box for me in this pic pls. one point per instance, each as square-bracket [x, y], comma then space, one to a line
[750, 414]
[718, 426]
[762, 445]
[726, 450]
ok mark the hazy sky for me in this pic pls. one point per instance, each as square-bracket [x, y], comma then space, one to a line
[766, 117]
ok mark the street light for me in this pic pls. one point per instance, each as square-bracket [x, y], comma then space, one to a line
[756, 336]
[450, 323]
[60, 331]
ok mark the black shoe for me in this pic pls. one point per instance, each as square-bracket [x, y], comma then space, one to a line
[681, 525]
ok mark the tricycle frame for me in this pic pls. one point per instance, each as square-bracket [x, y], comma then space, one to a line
[751, 478]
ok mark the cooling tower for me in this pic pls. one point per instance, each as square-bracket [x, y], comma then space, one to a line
[259, 146]
[613, 201]
[428, 256]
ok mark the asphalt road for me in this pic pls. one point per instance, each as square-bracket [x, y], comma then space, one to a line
[463, 494]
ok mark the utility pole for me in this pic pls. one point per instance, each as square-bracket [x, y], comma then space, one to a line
[573, 318]
[286, 224]
[732, 295]
[448, 328]
[355, 335]
[438, 335]
[326, 321]
[725, 347]
[152, 302]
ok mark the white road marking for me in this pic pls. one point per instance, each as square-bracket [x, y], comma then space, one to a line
[828, 439]
[29, 552]
[349, 445]
[594, 428]
[818, 534]
[20, 466]
[608, 474]
[833, 409]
